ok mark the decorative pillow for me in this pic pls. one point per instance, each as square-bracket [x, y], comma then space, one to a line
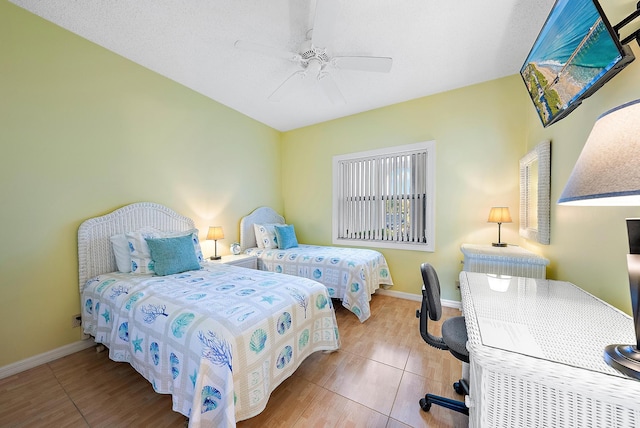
[141, 261]
[194, 238]
[120, 247]
[286, 236]
[266, 235]
[173, 255]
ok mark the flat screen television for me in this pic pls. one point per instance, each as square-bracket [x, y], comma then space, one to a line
[576, 52]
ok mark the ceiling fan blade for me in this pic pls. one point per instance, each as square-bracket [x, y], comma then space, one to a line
[266, 50]
[291, 85]
[330, 88]
[364, 63]
[324, 22]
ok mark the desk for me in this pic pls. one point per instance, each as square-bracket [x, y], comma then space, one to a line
[509, 260]
[536, 355]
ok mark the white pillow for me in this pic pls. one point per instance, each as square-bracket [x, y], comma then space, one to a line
[266, 235]
[120, 247]
[141, 261]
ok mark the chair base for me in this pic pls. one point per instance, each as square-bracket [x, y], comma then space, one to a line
[461, 387]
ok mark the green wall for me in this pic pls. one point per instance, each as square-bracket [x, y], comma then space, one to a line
[479, 139]
[85, 131]
[481, 133]
[588, 244]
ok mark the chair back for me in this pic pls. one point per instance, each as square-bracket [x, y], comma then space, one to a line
[431, 291]
[431, 307]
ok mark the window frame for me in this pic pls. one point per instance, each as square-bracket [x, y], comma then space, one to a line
[430, 177]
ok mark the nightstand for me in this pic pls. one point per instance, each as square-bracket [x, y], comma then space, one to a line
[510, 260]
[242, 260]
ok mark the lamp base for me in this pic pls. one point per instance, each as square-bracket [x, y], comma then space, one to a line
[499, 244]
[215, 257]
[624, 358]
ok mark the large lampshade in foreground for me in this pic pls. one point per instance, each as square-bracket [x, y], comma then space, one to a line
[499, 215]
[608, 173]
[608, 169]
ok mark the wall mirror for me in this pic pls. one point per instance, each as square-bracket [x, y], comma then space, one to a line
[535, 188]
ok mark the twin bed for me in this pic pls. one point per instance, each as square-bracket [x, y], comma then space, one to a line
[350, 274]
[219, 339]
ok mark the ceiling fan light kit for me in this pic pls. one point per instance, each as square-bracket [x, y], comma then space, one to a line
[314, 60]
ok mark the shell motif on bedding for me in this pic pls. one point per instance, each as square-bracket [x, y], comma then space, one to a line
[154, 349]
[175, 365]
[180, 324]
[258, 340]
[321, 302]
[105, 284]
[303, 340]
[284, 323]
[123, 331]
[284, 357]
[134, 298]
[210, 398]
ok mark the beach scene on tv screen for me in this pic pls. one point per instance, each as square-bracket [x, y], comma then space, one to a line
[574, 49]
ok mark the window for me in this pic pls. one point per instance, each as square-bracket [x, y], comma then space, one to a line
[385, 198]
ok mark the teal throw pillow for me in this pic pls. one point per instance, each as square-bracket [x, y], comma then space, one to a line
[286, 236]
[173, 255]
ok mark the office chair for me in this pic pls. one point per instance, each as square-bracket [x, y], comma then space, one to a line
[454, 338]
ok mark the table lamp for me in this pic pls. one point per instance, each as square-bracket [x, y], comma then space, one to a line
[499, 215]
[215, 233]
[608, 173]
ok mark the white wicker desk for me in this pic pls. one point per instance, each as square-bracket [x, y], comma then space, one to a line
[509, 260]
[536, 354]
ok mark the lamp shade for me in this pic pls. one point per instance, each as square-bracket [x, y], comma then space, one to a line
[607, 173]
[215, 233]
[608, 169]
[499, 215]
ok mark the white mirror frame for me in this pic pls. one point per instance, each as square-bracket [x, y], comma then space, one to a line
[535, 197]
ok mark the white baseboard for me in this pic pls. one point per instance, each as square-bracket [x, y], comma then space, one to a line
[417, 297]
[37, 360]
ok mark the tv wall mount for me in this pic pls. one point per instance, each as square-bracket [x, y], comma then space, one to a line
[635, 35]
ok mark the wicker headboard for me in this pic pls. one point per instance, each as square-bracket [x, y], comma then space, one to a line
[258, 216]
[95, 254]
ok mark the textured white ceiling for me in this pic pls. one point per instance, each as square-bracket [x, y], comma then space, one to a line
[435, 45]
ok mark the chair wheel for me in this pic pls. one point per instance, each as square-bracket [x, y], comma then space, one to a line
[457, 387]
[425, 404]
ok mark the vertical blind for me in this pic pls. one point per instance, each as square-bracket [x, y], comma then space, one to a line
[383, 197]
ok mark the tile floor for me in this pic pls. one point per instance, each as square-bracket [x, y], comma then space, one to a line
[375, 380]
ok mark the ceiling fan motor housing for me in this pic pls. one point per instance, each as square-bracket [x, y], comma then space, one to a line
[309, 52]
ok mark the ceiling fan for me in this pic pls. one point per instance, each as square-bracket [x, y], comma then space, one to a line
[314, 58]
